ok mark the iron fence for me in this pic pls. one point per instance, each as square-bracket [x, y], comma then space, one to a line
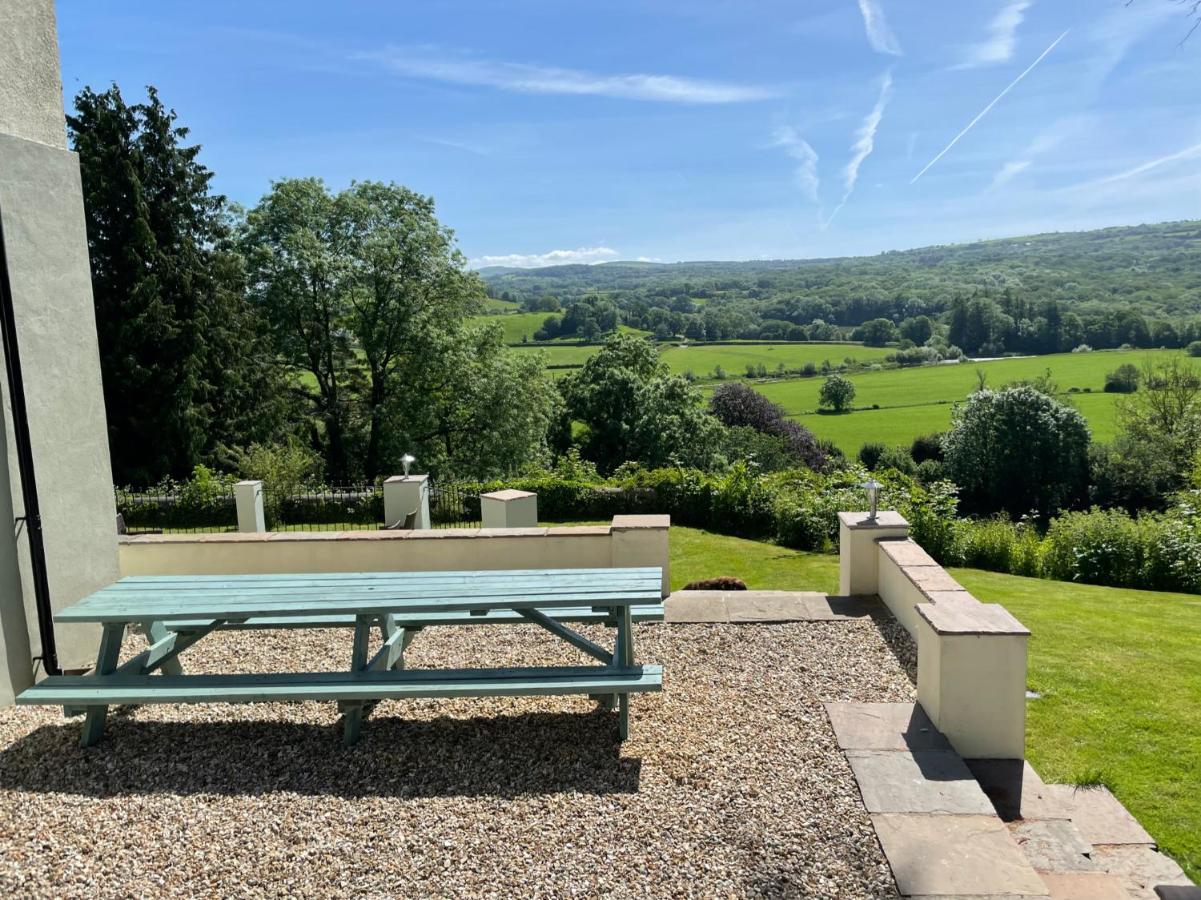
[190, 509]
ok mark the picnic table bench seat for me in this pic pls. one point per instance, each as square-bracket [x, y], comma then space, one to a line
[175, 612]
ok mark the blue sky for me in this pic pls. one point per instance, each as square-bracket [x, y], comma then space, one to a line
[556, 131]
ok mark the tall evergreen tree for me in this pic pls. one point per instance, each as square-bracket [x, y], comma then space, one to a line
[185, 369]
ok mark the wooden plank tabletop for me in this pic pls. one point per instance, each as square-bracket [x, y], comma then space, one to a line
[166, 597]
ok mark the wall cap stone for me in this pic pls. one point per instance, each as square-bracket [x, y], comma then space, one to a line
[404, 479]
[964, 618]
[508, 494]
[630, 523]
[235, 537]
[511, 532]
[885, 518]
[905, 552]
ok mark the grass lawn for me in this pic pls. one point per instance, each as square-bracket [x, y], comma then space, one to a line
[518, 325]
[918, 400]
[1118, 671]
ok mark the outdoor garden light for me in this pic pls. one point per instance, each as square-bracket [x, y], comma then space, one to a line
[407, 460]
[873, 491]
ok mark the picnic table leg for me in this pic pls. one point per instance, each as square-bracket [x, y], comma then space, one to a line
[106, 662]
[353, 716]
[623, 656]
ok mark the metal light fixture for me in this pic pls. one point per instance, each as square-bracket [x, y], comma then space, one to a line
[407, 460]
[873, 491]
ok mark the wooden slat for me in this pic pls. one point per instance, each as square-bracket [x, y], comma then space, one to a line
[340, 577]
[647, 612]
[167, 607]
[324, 686]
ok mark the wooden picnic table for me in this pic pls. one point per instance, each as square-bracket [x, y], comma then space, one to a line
[177, 611]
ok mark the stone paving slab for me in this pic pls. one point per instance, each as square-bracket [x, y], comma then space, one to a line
[884, 726]
[765, 606]
[1097, 814]
[1086, 886]
[1141, 865]
[1053, 845]
[955, 856]
[920, 781]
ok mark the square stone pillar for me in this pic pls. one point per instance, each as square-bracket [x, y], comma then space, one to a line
[641, 541]
[248, 498]
[858, 557]
[509, 509]
[404, 495]
[971, 676]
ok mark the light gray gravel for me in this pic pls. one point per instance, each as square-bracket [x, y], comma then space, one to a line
[730, 785]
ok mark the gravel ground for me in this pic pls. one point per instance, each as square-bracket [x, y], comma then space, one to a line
[730, 785]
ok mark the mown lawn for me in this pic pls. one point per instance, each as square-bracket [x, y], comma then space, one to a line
[1119, 672]
[918, 400]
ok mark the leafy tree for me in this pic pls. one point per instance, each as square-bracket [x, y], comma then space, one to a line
[184, 365]
[1018, 451]
[1122, 380]
[300, 277]
[876, 332]
[367, 293]
[409, 295]
[918, 329]
[634, 411]
[738, 406]
[837, 392]
[1165, 415]
[479, 410]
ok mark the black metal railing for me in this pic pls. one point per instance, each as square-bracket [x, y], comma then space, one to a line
[212, 508]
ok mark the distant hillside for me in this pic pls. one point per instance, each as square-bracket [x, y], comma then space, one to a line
[1155, 269]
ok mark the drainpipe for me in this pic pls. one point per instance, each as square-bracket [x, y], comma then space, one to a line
[29, 490]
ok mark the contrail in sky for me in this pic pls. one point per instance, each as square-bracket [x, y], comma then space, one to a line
[984, 112]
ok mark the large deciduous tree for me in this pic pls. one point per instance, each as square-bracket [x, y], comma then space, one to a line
[368, 295]
[1018, 451]
[635, 411]
[185, 367]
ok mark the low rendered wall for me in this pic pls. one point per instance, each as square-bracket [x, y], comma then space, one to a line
[628, 541]
[971, 656]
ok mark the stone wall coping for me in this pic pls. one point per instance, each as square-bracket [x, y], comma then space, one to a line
[905, 552]
[507, 494]
[630, 523]
[235, 537]
[931, 579]
[885, 518]
[966, 617]
[403, 479]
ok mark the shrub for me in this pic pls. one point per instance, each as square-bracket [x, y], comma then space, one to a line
[737, 405]
[1018, 450]
[1097, 547]
[1194, 348]
[930, 471]
[1122, 380]
[897, 459]
[926, 447]
[1082, 348]
[870, 453]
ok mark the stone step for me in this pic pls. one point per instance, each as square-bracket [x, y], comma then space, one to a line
[765, 606]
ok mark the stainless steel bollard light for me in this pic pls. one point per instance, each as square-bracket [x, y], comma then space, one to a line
[407, 460]
[873, 495]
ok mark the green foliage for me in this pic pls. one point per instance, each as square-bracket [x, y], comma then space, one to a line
[870, 454]
[185, 368]
[837, 392]
[1123, 380]
[1017, 450]
[1194, 348]
[634, 411]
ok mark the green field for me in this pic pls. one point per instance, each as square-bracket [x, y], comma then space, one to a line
[702, 360]
[918, 400]
[517, 325]
[1116, 670]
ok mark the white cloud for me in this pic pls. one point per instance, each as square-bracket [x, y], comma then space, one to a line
[532, 79]
[879, 35]
[1002, 36]
[798, 148]
[581, 255]
[1008, 172]
[1186, 153]
[865, 142]
[980, 115]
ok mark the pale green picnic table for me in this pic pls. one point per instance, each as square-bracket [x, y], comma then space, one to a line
[175, 612]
